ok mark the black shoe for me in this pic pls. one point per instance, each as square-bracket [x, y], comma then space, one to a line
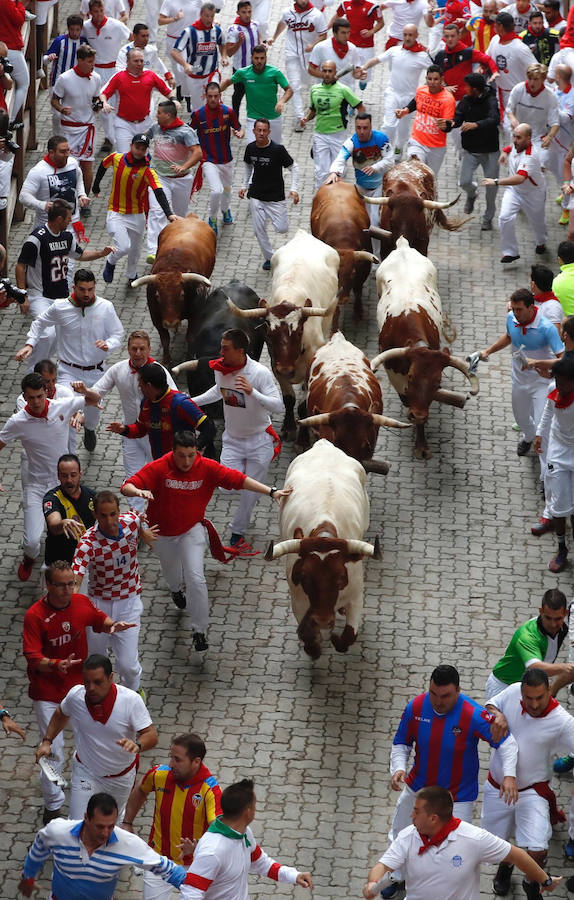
[540, 249]
[523, 447]
[469, 204]
[50, 814]
[508, 259]
[107, 146]
[178, 598]
[570, 884]
[85, 212]
[200, 641]
[486, 225]
[501, 883]
[235, 539]
[532, 890]
[90, 439]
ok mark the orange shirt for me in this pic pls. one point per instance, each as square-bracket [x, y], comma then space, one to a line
[431, 107]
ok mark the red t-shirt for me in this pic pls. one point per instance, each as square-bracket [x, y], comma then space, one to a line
[180, 498]
[361, 15]
[56, 634]
[12, 16]
[135, 93]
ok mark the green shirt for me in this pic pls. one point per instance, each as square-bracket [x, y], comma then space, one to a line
[528, 642]
[563, 287]
[260, 90]
[328, 101]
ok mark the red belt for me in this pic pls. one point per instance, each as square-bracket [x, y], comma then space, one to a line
[68, 124]
[132, 121]
[117, 774]
[543, 790]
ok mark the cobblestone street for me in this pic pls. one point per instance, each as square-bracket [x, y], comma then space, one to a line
[459, 571]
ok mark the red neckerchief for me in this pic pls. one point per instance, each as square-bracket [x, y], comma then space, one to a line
[101, 712]
[150, 359]
[81, 74]
[532, 93]
[457, 48]
[199, 26]
[552, 703]
[567, 89]
[49, 161]
[439, 837]
[42, 415]
[507, 38]
[547, 295]
[101, 26]
[340, 49]
[524, 327]
[561, 402]
[305, 8]
[416, 48]
[239, 22]
[175, 124]
[219, 366]
[74, 302]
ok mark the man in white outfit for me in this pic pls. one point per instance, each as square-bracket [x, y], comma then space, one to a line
[57, 176]
[511, 56]
[559, 147]
[531, 102]
[152, 59]
[107, 36]
[249, 393]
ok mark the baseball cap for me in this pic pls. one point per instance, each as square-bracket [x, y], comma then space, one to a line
[140, 139]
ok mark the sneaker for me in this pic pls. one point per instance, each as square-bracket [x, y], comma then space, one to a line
[501, 882]
[227, 217]
[298, 127]
[523, 447]
[150, 258]
[130, 279]
[25, 568]
[392, 889]
[486, 224]
[108, 275]
[178, 598]
[569, 849]
[90, 439]
[85, 212]
[362, 85]
[565, 217]
[107, 146]
[200, 642]
[563, 764]
[142, 694]
[543, 526]
[559, 199]
[235, 538]
[531, 889]
[469, 204]
[50, 814]
[266, 265]
[559, 561]
[212, 224]
[540, 249]
[509, 259]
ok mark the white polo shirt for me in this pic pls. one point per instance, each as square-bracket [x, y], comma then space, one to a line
[77, 92]
[450, 871]
[96, 744]
[405, 14]
[123, 377]
[44, 439]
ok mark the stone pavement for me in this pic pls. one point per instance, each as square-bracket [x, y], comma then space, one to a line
[459, 572]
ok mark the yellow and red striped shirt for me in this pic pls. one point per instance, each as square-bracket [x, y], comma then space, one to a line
[483, 33]
[130, 183]
[180, 810]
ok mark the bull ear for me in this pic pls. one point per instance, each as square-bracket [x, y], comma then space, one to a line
[263, 303]
[298, 534]
[446, 350]
[297, 571]
[308, 302]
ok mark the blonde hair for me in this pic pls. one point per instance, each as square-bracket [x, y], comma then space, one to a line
[537, 70]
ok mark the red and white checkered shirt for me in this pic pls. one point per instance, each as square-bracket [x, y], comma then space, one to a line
[113, 563]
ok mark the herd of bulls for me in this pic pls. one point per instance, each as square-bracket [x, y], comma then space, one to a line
[323, 522]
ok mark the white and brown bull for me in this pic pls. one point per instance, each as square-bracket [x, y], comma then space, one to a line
[411, 328]
[299, 313]
[345, 402]
[322, 524]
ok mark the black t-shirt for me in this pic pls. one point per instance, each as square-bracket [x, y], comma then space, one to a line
[46, 256]
[58, 546]
[268, 164]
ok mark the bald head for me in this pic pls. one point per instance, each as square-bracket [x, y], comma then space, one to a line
[489, 10]
[329, 71]
[521, 136]
[563, 75]
[410, 35]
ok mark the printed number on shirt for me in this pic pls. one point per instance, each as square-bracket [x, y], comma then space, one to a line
[59, 268]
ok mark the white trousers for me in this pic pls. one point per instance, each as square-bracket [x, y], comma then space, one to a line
[155, 888]
[219, 178]
[431, 156]
[125, 131]
[276, 129]
[125, 643]
[298, 77]
[560, 482]
[494, 686]
[325, 150]
[34, 521]
[84, 784]
[177, 191]
[251, 456]
[397, 130]
[529, 818]
[67, 374]
[261, 11]
[136, 454]
[21, 79]
[555, 156]
[127, 231]
[181, 560]
[194, 88]
[528, 401]
[152, 13]
[44, 347]
[53, 795]
[532, 204]
[276, 213]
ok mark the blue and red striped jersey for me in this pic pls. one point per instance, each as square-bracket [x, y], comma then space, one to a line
[446, 747]
[213, 127]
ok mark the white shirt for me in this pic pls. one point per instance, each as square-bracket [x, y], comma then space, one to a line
[406, 68]
[170, 8]
[303, 28]
[521, 20]
[324, 52]
[539, 740]
[151, 57]
[122, 376]
[60, 391]
[565, 134]
[106, 40]
[512, 60]
[405, 13]
[43, 439]
[43, 182]
[78, 329]
[450, 871]
[526, 162]
[242, 56]
[552, 310]
[77, 92]
[558, 424]
[564, 57]
[113, 8]
[540, 112]
[95, 742]
[245, 414]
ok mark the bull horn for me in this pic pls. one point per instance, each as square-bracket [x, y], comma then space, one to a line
[376, 466]
[257, 313]
[368, 257]
[145, 279]
[461, 365]
[387, 355]
[315, 421]
[274, 551]
[193, 276]
[438, 204]
[376, 232]
[189, 366]
[307, 311]
[362, 547]
[376, 201]
[386, 422]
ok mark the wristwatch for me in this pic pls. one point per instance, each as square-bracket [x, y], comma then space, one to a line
[547, 883]
[272, 492]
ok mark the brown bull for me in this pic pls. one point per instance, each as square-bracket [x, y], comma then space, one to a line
[179, 279]
[339, 218]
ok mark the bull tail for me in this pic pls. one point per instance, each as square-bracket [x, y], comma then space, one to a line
[449, 224]
[448, 329]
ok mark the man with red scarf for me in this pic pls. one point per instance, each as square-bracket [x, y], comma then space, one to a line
[111, 727]
[365, 19]
[339, 50]
[441, 855]
[510, 55]
[541, 728]
[249, 393]
[458, 59]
